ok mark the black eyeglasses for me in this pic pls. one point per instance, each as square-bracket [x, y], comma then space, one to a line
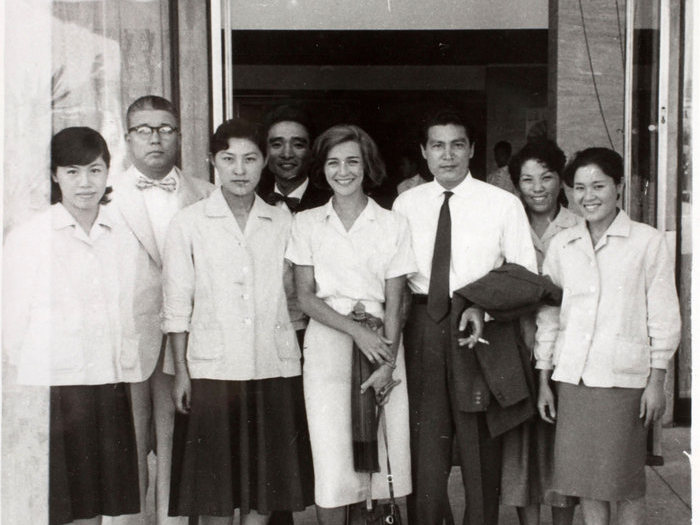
[145, 131]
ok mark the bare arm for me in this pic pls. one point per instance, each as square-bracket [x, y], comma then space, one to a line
[382, 379]
[546, 404]
[182, 387]
[375, 346]
[653, 402]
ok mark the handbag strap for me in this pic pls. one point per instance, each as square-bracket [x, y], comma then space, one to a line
[382, 417]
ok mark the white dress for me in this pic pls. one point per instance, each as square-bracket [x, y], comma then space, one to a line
[350, 266]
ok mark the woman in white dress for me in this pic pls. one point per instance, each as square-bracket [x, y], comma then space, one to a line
[351, 250]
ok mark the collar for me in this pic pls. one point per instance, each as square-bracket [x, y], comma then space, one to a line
[61, 217]
[216, 206]
[368, 214]
[298, 192]
[462, 189]
[620, 227]
[565, 218]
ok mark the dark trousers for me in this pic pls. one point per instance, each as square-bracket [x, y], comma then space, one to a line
[279, 517]
[434, 421]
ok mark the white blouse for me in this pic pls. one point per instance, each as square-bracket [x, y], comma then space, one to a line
[351, 266]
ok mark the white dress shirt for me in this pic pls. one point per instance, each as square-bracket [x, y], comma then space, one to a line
[298, 193]
[489, 227]
[619, 315]
[161, 205]
[62, 322]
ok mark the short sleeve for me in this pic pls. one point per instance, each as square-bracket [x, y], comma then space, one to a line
[403, 261]
[299, 247]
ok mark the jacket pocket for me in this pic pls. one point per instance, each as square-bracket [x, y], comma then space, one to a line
[67, 352]
[205, 344]
[286, 341]
[129, 356]
[67, 339]
[631, 357]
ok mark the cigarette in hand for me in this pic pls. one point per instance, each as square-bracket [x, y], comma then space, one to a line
[482, 341]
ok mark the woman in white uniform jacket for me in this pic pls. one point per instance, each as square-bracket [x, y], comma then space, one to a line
[348, 251]
[608, 345]
[63, 321]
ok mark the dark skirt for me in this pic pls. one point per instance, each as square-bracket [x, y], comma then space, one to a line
[528, 466]
[244, 444]
[600, 444]
[93, 468]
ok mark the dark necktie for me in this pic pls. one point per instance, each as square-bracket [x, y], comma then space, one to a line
[291, 202]
[439, 290]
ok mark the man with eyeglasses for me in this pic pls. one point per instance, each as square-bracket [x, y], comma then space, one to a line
[146, 197]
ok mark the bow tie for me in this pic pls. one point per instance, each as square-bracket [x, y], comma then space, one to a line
[291, 202]
[167, 184]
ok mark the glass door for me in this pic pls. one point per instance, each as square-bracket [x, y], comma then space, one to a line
[657, 165]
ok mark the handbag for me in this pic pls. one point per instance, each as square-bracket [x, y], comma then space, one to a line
[385, 513]
[363, 405]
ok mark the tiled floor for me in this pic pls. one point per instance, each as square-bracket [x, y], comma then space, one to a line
[668, 489]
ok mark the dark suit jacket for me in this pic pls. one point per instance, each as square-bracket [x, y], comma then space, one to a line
[312, 198]
[503, 366]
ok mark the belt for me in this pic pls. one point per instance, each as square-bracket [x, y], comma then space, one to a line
[420, 298]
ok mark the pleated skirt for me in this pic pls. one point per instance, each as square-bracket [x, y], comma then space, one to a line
[600, 443]
[93, 468]
[244, 445]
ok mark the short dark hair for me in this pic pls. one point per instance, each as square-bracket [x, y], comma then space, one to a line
[236, 128]
[504, 146]
[443, 117]
[151, 102]
[288, 113]
[375, 171]
[608, 161]
[76, 146]
[545, 152]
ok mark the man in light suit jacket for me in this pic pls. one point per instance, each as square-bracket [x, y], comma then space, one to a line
[146, 198]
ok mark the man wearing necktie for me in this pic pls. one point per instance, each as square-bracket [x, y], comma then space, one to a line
[461, 228]
[146, 197]
[285, 184]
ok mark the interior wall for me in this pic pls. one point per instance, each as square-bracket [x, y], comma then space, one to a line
[516, 97]
[389, 14]
[580, 119]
